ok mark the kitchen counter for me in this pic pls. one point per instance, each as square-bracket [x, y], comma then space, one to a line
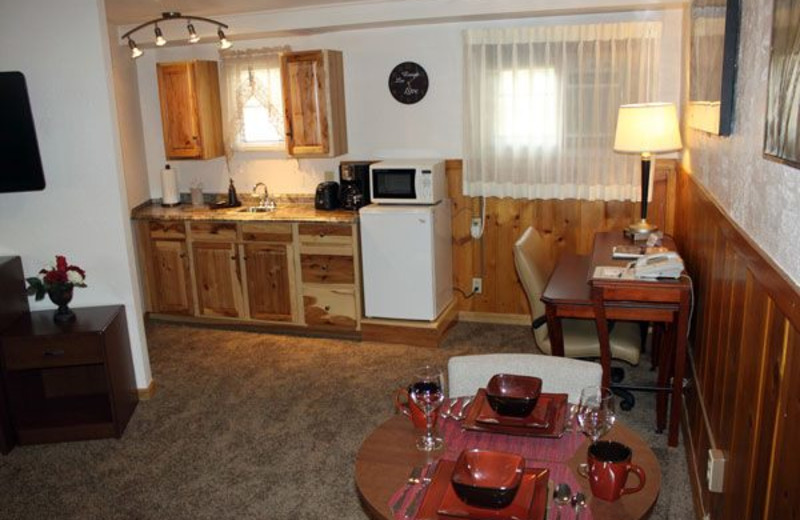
[285, 212]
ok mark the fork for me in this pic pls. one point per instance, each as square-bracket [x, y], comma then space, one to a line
[462, 412]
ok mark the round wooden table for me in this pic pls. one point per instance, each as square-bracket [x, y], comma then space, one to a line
[387, 456]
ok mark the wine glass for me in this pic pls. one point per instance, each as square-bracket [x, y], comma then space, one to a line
[596, 411]
[427, 392]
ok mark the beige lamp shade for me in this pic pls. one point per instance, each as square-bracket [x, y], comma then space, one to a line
[647, 128]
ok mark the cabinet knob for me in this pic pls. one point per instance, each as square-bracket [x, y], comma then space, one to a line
[233, 257]
[327, 308]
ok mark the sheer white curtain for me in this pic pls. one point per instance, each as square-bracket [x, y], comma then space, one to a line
[253, 100]
[541, 106]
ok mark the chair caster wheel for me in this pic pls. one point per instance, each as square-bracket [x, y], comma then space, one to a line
[617, 374]
[626, 405]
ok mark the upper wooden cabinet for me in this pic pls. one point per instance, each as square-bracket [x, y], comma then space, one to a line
[313, 102]
[190, 109]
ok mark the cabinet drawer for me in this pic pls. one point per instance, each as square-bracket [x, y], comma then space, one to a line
[267, 231]
[213, 230]
[330, 307]
[324, 234]
[22, 354]
[327, 269]
[167, 229]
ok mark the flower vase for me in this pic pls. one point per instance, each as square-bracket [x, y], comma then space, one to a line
[61, 295]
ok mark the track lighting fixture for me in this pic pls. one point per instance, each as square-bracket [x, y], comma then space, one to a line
[193, 38]
[160, 41]
[135, 51]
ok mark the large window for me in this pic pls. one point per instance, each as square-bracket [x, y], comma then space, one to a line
[541, 106]
[253, 100]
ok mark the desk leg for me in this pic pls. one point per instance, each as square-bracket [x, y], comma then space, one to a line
[554, 331]
[664, 344]
[602, 334]
[680, 368]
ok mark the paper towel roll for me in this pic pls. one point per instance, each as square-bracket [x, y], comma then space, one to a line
[169, 187]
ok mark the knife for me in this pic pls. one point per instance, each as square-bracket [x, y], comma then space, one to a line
[416, 472]
[411, 512]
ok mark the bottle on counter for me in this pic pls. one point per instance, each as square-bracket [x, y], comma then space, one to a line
[233, 199]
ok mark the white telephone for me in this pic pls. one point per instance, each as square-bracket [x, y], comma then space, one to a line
[659, 265]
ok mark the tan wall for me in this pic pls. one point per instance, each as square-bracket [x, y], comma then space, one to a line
[569, 225]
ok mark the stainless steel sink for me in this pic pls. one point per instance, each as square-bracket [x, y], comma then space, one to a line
[256, 209]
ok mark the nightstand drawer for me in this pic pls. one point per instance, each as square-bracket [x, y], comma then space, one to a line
[44, 352]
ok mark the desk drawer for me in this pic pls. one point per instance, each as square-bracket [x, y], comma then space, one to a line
[23, 354]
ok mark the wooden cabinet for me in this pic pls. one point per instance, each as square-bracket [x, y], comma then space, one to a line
[328, 259]
[286, 273]
[216, 269]
[68, 382]
[268, 263]
[313, 102]
[190, 109]
[166, 257]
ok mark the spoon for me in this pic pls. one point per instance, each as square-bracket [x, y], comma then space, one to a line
[562, 496]
[578, 502]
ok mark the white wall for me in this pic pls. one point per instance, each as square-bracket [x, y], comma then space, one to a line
[377, 125]
[762, 196]
[62, 48]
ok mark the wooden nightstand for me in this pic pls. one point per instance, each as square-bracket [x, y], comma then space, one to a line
[67, 382]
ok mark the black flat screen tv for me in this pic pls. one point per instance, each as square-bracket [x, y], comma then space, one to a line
[20, 163]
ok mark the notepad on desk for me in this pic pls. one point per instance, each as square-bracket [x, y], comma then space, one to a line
[627, 251]
[612, 272]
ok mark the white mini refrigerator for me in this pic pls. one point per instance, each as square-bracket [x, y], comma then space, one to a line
[406, 253]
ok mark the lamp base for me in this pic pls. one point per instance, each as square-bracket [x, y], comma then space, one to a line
[639, 230]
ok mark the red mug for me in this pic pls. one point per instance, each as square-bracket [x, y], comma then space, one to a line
[404, 405]
[609, 465]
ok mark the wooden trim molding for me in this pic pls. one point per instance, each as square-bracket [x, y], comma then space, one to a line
[746, 352]
[145, 394]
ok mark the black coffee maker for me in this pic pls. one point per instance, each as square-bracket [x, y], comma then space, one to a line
[354, 182]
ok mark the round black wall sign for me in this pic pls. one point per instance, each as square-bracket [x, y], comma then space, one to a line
[408, 82]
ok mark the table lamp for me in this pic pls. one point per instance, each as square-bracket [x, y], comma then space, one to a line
[646, 128]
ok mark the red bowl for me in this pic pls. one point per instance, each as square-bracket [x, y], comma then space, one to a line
[513, 395]
[489, 479]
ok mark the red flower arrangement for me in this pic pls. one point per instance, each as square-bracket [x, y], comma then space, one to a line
[60, 276]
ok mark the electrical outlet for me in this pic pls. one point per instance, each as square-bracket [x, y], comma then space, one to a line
[329, 176]
[475, 227]
[477, 285]
[715, 472]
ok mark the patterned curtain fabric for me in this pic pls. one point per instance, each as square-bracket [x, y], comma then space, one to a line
[541, 106]
[251, 75]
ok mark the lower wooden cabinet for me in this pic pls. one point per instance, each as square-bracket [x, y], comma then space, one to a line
[218, 284]
[172, 288]
[301, 274]
[270, 287]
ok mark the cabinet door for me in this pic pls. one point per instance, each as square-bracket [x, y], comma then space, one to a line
[219, 291]
[270, 291]
[330, 307]
[304, 91]
[171, 286]
[179, 110]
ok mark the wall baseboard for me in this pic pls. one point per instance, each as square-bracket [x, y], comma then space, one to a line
[145, 394]
[494, 317]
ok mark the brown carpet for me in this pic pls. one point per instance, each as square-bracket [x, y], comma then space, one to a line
[253, 425]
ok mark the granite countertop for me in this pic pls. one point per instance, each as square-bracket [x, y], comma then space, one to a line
[285, 212]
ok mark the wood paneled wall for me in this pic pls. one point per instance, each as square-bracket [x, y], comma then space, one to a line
[568, 225]
[745, 399]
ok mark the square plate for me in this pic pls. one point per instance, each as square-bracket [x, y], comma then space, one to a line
[555, 427]
[442, 503]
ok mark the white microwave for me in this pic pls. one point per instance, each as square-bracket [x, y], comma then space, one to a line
[407, 181]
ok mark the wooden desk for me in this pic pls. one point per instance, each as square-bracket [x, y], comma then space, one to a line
[387, 456]
[571, 293]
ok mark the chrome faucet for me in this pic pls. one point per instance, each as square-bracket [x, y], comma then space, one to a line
[263, 195]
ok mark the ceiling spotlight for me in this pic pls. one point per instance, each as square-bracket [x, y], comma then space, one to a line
[135, 51]
[193, 38]
[160, 40]
[224, 43]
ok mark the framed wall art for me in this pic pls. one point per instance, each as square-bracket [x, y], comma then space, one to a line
[714, 45]
[782, 133]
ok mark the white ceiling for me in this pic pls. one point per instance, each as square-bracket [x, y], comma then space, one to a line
[124, 12]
